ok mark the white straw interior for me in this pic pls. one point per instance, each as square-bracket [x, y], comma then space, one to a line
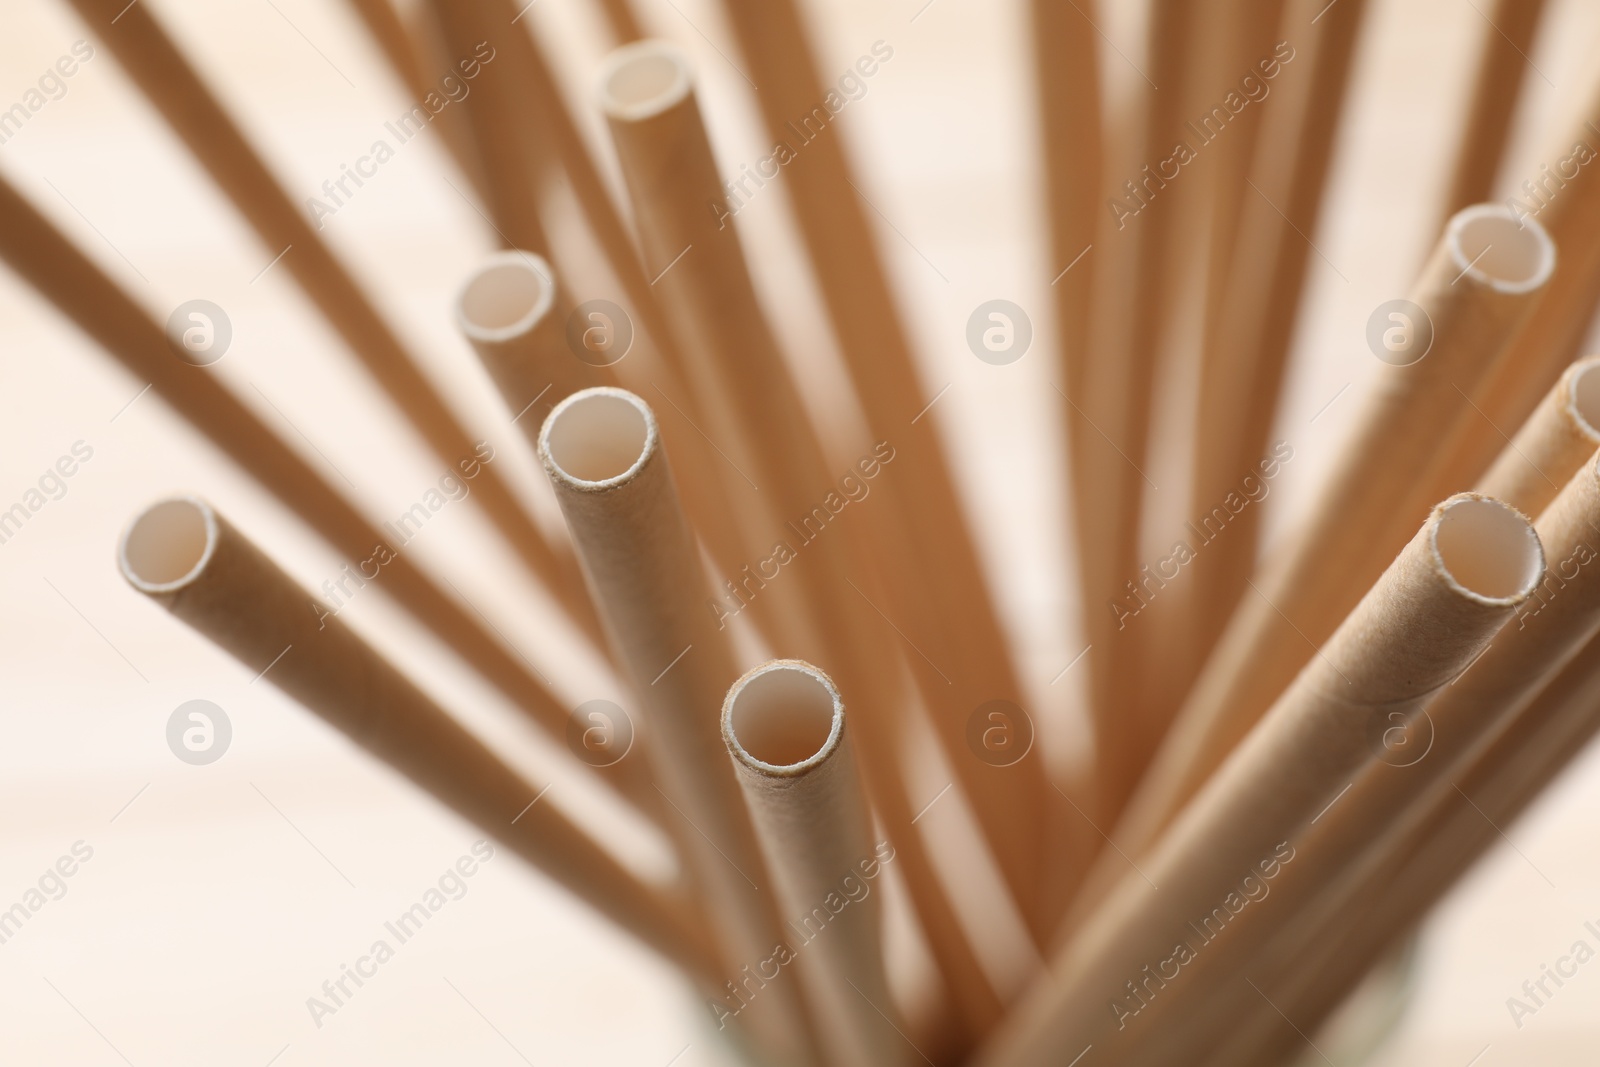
[784, 715]
[1489, 549]
[644, 79]
[506, 296]
[597, 435]
[168, 543]
[1491, 244]
[1585, 397]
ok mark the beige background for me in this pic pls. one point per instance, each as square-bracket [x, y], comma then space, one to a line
[221, 897]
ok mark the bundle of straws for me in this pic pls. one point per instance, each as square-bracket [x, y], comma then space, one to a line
[1293, 756]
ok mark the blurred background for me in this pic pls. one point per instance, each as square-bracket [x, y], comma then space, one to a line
[217, 898]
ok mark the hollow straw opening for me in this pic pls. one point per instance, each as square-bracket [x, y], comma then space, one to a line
[1488, 549]
[784, 717]
[1583, 397]
[644, 79]
[597, 437]
[1490, 244]
[168, 544]
[506, 297]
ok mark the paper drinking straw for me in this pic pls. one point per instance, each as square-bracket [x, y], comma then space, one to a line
[849, 271]
[624, 24]
[1067, 73]
[1506, 37]
[1562, 432]
[1545, 738]
[165, 76]
[1383, 808]
[753, 409]
[1445, 597]
[1109, 466]
[785, 727]
[1236, 46]
[1479, 286]
[400, 49]
[61, 273]
[504, 127]
[743, 390]
[602, 452]
[1569, 210]
[184, 556]
[1248, 336]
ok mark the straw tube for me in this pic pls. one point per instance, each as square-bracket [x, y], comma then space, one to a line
[1444, 598]
[1381, 810]
[785, 728]
[754, 409]
[1562, 432]
[933, 533]
[602, 451]
[509, 312]
[163, 74]
[1478, 288]
[1545, 738]
[184, 556]
[62, 274]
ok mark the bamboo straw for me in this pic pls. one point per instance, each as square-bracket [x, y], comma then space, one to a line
[1507, 38]
[753, 408]
[165, 76]
[1478, 287]
[861, 306]
[602, 451]
[1562, 432]
[1247, 339]
[1441, 602]
[785, 728]
[60, 272]
[184, 556]
[1382, 807]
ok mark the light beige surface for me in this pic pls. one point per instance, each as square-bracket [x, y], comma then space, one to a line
[223, 896]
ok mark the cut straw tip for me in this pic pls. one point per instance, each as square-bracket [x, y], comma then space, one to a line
[1487, 550]
[168, 544]
[1493, 246]
[641, 80]
[507, 296]
[783, 719]
[597, 439]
